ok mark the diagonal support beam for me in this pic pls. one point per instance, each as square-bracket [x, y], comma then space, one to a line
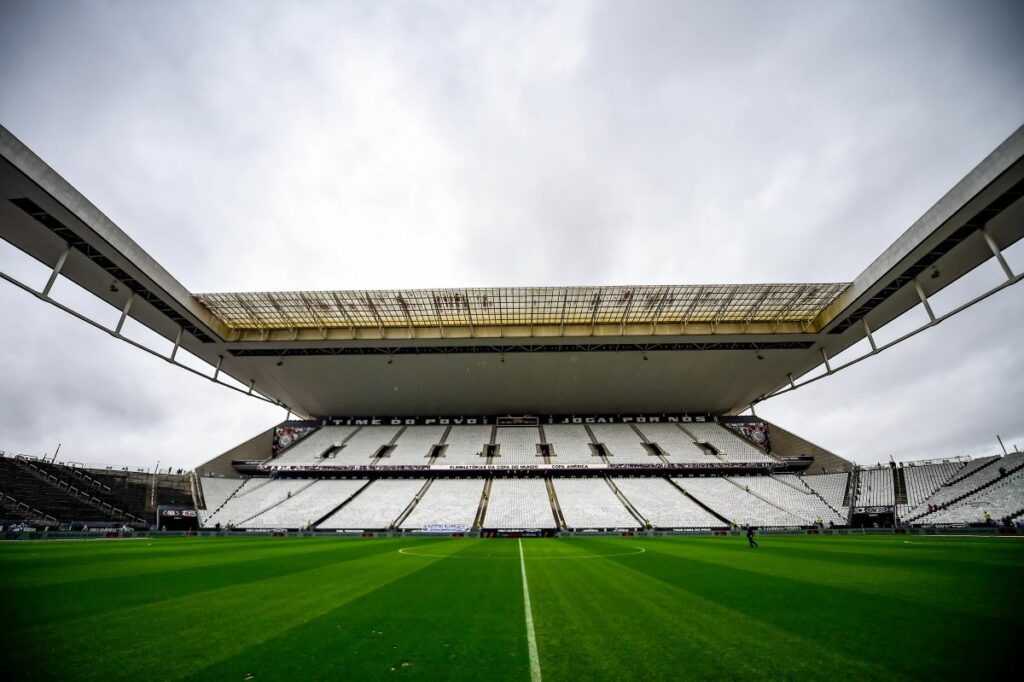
[924, 300]
[177, 343]
[867, 332]
[997, 253]
[124, 314]
[56, 270]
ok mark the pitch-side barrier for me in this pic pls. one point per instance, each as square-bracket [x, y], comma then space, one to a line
[116, 534]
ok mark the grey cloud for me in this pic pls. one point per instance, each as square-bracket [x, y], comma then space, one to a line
[323, 145]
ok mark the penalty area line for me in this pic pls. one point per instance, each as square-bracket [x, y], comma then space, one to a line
[531, 636]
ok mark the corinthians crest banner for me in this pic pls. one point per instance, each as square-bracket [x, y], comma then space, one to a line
[286, 436]
[753, 431]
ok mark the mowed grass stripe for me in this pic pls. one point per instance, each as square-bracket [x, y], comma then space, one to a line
[454, 619]
[914, 639]
[994, 550]
[904, 576]
[175, 637]
[621, 623]
[140, 562]
[49, 604]
[61, 552]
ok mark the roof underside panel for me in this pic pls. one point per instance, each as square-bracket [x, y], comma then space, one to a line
[677, 304]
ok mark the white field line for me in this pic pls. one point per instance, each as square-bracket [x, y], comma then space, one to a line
[531, 636]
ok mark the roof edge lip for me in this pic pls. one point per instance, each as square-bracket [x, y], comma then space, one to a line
[527, 287]
[989, 171]
[101, 227]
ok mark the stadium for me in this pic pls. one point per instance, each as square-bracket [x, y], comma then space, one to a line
[517, 483]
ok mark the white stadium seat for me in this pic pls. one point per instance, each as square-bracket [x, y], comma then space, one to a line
[464, 445]
[310, 450]
[731, 447]
[377, 507]
[876, 487]
[623, 444]
[518, 445]
[413, 446]
[255, 497]
[788, 492]
[663, 505]
[737, 504]
[591, 503]
[832, 488]
[519, 503]
[570, 444]
[307, 506]
[677, 445]
[216, 490]
[448, 501]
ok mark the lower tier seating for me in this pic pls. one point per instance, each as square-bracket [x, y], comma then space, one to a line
[377, 507]
[663, 505]
[519, 503]
[306, 507]
[449, 502]
[737, 504]
[591, 503]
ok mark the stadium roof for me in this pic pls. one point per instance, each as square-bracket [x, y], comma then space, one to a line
[710, 348]
[453, 310]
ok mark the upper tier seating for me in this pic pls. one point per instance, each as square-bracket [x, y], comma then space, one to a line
[519, 503]
[377, 507]
[663, 505]
[310, 449]
[1002, 499]
[518, 445]
[876, 488]
[570, 444]
[832, 488]
[971, 467]
[731, 447]
[413, 446]
[591, 503]
[448, 501]
[360, 449]
[961, 485]
[27, 489]
[307, 506]
[924, 479]
[623, 444]
[465, 444]
[677, 445]
[736, 504]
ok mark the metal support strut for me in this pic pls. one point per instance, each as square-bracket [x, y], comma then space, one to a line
[997, 253]
[867, 332]
[924, 300]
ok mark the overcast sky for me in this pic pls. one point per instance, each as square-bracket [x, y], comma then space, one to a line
[281, 146]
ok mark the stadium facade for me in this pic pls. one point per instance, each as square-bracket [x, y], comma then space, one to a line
[540, 408]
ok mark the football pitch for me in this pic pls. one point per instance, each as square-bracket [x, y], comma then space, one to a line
[662, 608]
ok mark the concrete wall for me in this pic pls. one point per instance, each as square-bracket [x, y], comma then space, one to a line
[258, 447]
[787, 444]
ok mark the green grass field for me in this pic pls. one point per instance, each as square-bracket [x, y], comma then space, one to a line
[852, 607]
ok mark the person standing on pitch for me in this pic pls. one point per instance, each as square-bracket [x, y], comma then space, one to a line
[750, 537]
